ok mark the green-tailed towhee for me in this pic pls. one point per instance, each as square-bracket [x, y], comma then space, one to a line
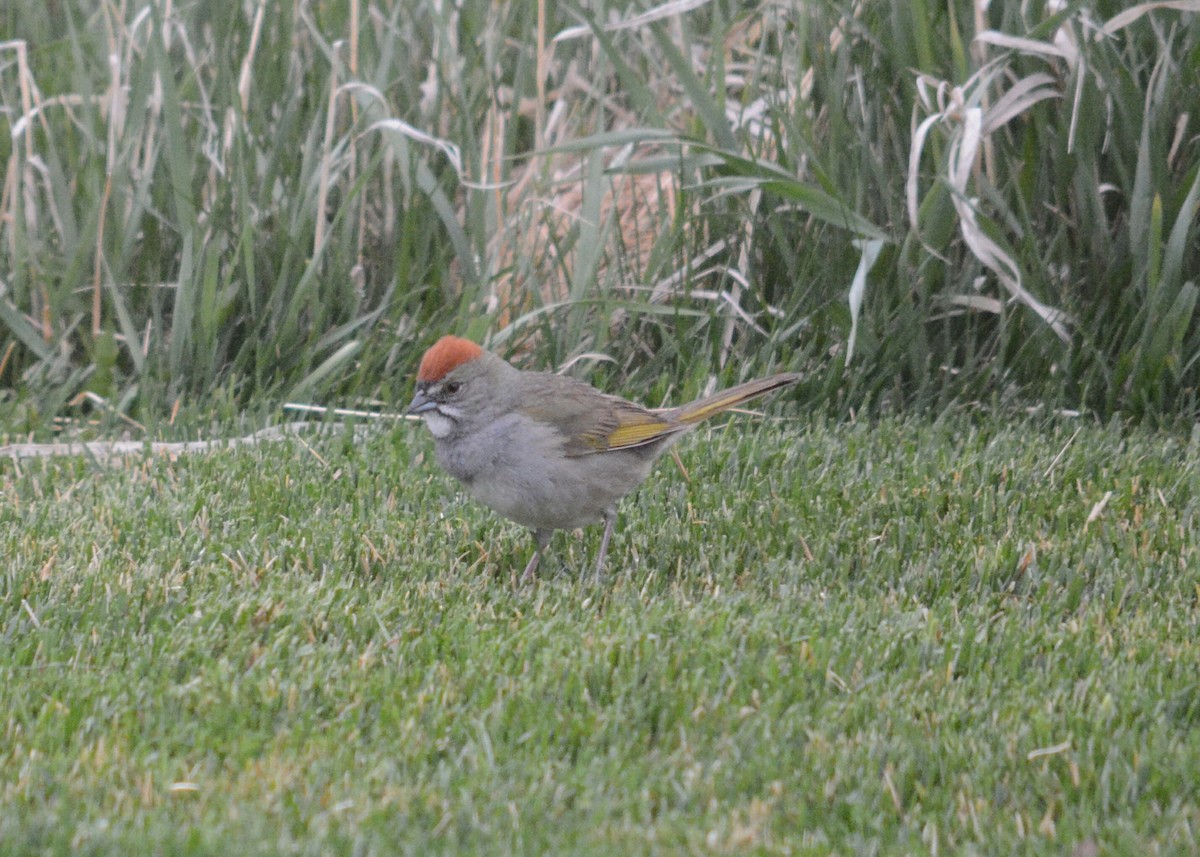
[546, 451]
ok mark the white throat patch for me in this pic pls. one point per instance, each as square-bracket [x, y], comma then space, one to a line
[439, 424]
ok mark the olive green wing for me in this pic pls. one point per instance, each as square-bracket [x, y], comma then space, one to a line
[591, 421]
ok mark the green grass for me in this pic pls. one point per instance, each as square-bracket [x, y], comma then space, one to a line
[899, 638]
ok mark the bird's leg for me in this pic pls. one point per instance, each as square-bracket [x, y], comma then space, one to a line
[532, 566]
[541, 539]
[610, 520]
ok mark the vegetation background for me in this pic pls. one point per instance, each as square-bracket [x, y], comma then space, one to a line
[211, 205]
[961, 629]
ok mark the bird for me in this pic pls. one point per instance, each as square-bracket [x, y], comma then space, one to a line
[547, 451]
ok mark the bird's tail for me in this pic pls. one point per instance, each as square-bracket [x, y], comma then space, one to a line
[702, 409]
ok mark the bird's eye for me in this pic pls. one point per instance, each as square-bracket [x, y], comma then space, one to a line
[452, 388]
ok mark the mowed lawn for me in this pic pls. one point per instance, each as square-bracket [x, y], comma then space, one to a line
[912, 637]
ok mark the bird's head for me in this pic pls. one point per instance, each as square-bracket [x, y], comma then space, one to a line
[452, 382]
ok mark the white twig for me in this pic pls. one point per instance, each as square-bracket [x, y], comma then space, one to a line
[1062, 452]
[107, 449]
[345, 412]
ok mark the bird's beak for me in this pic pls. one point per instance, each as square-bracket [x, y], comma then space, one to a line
[420, 403]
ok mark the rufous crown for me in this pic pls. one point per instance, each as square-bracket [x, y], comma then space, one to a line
[446, 355]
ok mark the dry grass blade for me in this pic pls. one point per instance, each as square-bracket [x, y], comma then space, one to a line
[970, 125]
[1028, 46]
[869, 252]
[1018, 98]
[665, 10]
[1123, 19]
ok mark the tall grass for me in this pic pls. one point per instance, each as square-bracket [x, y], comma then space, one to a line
[241, 202]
